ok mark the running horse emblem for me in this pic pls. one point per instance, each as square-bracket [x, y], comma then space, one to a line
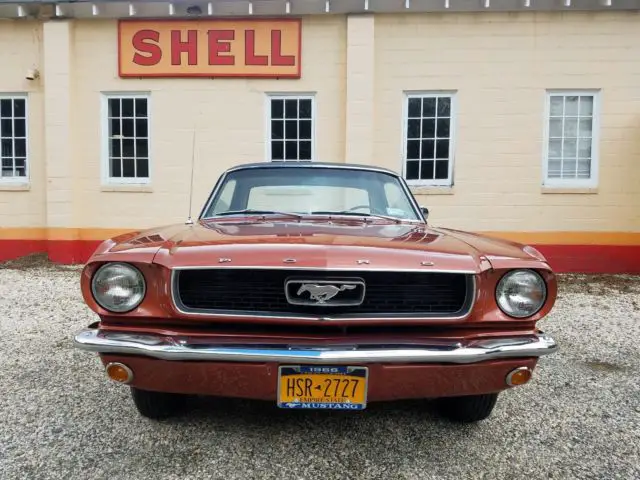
[322, 293]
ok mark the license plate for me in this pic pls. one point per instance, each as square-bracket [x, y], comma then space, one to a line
[320, 387]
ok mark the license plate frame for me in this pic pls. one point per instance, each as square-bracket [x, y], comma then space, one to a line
[318, 373]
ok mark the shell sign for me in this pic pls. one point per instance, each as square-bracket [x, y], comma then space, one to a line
[210, 48]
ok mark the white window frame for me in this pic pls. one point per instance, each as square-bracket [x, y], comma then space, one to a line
[452, 94]
[27, 163]
[314, 115]
[104, 113]
[595, 141]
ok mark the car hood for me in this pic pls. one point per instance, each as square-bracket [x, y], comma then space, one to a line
[331, 244]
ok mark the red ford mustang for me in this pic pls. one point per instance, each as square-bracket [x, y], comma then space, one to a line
[316, 286]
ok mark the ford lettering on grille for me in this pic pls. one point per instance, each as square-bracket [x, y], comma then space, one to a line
[327, 293]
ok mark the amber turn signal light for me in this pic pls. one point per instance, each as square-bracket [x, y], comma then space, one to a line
[519, 376]
[119, 372]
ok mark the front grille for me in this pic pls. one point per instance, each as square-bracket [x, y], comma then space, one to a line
[262, 292]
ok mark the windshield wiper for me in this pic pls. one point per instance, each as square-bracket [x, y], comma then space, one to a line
[251, 211]
[356, 214]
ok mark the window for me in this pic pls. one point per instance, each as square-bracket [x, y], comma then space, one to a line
[13, 139]
[290, 128]
[428, 139]
[127, 134]
[307, 190]
[570, 134]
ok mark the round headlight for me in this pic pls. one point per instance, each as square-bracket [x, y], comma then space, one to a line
[521, 293]
[118, 287]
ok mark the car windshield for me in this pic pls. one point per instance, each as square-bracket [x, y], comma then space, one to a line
[311, 191]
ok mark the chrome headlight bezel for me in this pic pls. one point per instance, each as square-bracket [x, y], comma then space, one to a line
[500, 287]
[112, 308]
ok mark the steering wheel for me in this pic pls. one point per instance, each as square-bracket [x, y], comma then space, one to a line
[371, 209]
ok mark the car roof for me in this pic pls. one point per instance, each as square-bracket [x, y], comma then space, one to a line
[305, 164]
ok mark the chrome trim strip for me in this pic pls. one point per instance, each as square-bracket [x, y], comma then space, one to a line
[324, 269]
[179, 348]
[177, 304]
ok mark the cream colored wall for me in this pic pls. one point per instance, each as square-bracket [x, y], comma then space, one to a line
[501, 65]
[24, 205]
[228, 114]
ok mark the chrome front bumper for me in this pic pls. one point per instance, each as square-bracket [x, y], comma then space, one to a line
[180, 348]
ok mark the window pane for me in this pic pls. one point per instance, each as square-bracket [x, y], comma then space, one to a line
[5, 108]
[127, 127]
[412, 170]
[142, 147]
[305, 150]
[128, 167]
[277, 150]
[413, 149]
[20, 162]
[305, 108]
[6, 148]
[7, 163]
[116, 151]
[6, 128]
[555, 148]
[305, 128]
[571, 127]
[414, 109]
[584, 168]
[277, 129]
[427, 149]
[141, 128]
[116, 170]
[127, 148]
[19, 108]
[114, 107]
[570, 148]
[127, 107]
[586, 106]
[428, 107]
[585, 127]
[584, 147]
[443, 127]
[20, 127]
[426, 170]
[444, 107]
[442, 169]
[21, 172]
[291, 150]
[442, 149]
[115, 127]
[291, 109]
[141, 107]
[555, 127]
[291, 129]
[413, 129]
[142, 167]
[277, 108]
[21, 147]
[570, 106]
[556, 108]
[569, 168]
[553, 170]
[428, 128]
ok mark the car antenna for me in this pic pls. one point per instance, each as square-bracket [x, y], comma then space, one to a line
[193, 156]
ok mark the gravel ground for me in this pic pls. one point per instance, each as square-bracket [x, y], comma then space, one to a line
[60, 417]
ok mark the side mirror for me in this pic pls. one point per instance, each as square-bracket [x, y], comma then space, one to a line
[425, 212]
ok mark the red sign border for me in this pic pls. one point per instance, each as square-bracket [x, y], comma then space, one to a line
[296, 75]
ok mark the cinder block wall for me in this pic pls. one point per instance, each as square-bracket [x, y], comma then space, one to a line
[500, 65]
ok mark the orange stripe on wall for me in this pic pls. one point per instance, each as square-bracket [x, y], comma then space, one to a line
[535, 238]
[61, 233]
